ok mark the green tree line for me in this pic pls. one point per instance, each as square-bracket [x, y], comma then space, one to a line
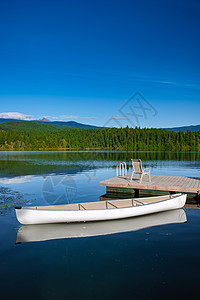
[102, 139]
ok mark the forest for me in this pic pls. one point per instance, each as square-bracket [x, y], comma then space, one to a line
[39, 138]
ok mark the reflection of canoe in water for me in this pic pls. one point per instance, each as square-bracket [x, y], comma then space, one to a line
[98, 211]
[32, 233]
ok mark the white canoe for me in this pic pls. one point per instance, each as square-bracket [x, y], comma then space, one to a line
[44, 232]
[98, 211]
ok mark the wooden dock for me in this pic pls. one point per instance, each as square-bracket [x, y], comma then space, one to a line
[158, 183]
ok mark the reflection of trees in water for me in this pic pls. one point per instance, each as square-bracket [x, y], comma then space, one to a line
[25, 163]
[9, 199]
[39, 157]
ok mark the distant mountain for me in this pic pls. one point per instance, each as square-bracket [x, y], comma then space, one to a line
[69, 124]
[44, 120]
[184, 128]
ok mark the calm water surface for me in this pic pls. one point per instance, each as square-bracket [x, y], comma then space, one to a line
[146, 261]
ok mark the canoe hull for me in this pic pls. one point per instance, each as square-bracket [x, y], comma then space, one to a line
[27, 215]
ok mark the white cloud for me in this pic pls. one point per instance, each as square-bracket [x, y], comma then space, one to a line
[19, 116]
[15, 115]
[46, 117]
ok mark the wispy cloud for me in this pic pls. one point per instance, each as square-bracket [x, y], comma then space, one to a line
[127, 76]
[160, 81]
[120, 118]
[92, 118]
[70, 117]
[16, 116]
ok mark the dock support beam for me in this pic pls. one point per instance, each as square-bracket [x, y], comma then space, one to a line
[137, 193]
[198, 198]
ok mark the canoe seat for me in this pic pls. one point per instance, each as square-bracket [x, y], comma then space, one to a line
[80, 206]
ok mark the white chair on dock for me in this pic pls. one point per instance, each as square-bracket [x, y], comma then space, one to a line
[137, 169]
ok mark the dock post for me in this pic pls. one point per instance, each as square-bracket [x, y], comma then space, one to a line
[198, 198]
[137, 193]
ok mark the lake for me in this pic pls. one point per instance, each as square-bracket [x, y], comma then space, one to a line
[141, 258]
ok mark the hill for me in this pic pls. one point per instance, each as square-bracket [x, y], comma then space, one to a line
[191, 128]
[22, 135]
[22, 126]
[71, 124]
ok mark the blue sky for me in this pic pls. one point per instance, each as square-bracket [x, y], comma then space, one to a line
[84, 60]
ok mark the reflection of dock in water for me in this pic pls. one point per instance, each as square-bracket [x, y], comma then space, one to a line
[33, 233]
[192, 206]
